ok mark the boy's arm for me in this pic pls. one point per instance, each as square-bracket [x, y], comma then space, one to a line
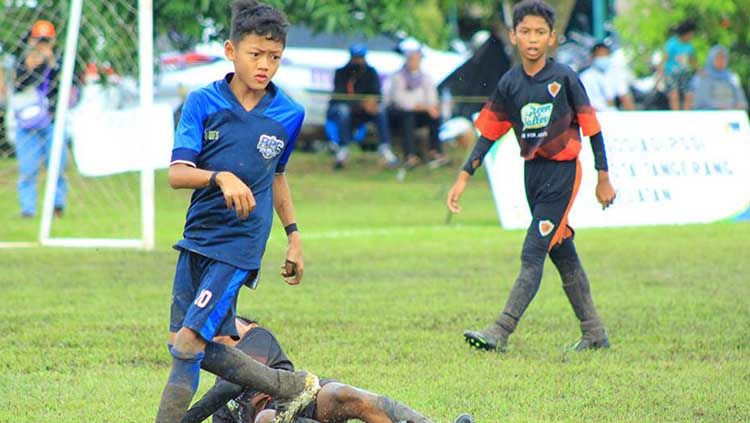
[183, 169]
[590, 127]
[605, 192]
[294, 265]
[236, 194]
[492, 124]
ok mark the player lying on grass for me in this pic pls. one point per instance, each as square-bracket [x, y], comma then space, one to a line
[336, 402]
[231, 147]
[546, 105]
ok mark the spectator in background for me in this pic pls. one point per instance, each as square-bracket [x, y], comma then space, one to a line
[594, 79]
[355, 100]
[413, 102]
[679, 66]
[716, 87]
[37, 77]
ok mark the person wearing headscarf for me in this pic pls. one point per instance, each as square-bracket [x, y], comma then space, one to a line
[412, 100]
[716, 87]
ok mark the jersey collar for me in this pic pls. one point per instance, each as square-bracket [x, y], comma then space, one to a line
[262, 105]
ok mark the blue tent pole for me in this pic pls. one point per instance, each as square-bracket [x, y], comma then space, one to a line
[598, 16]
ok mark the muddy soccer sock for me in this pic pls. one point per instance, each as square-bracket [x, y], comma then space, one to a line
[398, 412]
[524, 290]
[576, 286]
[233, 365]
[181, 386]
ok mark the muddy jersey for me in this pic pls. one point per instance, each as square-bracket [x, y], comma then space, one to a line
[547, 111]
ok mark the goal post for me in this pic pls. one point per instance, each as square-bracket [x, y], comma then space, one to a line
[96, 179]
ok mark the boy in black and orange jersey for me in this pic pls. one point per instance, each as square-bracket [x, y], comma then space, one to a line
[547, 106]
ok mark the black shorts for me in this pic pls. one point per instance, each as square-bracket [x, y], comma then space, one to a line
[551, 188]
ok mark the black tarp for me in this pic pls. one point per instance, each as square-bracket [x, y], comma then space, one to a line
[472, 83]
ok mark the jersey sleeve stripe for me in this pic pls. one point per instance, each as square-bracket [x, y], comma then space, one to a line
[490, 125]
[588, 121]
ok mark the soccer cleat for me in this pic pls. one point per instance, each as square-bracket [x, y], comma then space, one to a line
[586, 343]
[489, 339]
[464, 418]
[288, 410]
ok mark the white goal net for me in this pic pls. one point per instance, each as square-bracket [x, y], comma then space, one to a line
[79, 132]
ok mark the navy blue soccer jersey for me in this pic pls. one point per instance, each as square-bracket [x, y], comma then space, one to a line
[547, 112]
[216, 133]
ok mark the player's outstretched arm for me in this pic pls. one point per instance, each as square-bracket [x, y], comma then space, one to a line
[294, 265]
[472, 163]
[236, 194]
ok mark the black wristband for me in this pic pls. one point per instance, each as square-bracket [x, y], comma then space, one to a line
[212, 179]
[292, 227]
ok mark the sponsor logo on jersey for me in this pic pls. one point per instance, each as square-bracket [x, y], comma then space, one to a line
[211, 135]
[553, 88]
[270, 146]
[535, 115]
[546, 227]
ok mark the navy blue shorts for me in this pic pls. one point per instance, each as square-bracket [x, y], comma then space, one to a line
[551, 188]
[204, 295]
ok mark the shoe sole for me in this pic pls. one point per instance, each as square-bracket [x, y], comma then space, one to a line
[476, 341]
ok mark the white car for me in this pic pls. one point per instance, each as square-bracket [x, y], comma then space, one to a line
[308, 66]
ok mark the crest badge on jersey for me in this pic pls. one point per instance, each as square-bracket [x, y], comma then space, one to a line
[546, 227]
[270, 146]
[553, 88]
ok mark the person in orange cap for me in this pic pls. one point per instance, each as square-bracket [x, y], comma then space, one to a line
[36, 84]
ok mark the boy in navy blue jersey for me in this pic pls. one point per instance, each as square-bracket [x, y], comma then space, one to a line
[546, 105]
[232, 145]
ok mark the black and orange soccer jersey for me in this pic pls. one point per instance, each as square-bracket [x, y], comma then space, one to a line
[547, 112]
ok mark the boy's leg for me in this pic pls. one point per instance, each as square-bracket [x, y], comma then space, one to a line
[338, 402]
[578, 290]
[200, 313]
[341, 114]
[62, 187]
[29, 150]
[494, 337]
[551, 188]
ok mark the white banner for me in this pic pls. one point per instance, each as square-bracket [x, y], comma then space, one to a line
[667, 168]
[107, 142]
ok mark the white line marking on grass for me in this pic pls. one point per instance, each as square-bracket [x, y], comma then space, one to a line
[390, 231]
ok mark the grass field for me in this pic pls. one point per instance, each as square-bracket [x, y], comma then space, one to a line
[389, 288]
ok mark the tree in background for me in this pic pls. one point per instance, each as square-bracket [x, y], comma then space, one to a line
[644, 27]
[186, 19]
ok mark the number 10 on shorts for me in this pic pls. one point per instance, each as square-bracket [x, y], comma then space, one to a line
[203, 298]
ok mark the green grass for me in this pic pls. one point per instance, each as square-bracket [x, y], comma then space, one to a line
[388, 290]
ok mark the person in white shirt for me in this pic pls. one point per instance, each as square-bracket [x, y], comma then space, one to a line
[412, 100]
[594, 78]
[606, 82]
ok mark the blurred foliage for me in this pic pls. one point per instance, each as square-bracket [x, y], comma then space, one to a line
[645, 28]
[184, 20]
[426, 20]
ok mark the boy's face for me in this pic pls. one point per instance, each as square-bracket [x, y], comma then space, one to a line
[532, 36]
[256, 59]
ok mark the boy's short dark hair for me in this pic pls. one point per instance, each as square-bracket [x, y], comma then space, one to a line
[253, 17]
[685, 27]
[533, 8]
